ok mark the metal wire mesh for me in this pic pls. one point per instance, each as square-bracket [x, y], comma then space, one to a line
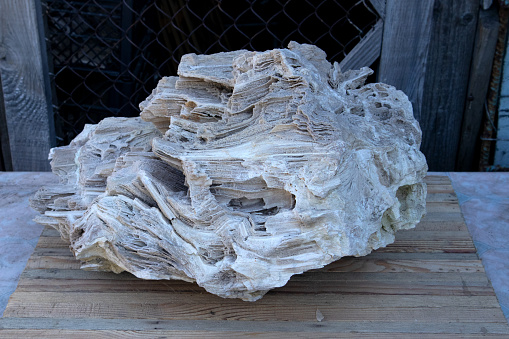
[106, 56]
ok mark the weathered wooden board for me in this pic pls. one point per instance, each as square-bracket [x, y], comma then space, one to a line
[379, 6]
[426, 52]
[446, 80]
[406, 40]
[366, 51]
[28, 119]
[480, 71]
[429, 283]
[5, 149]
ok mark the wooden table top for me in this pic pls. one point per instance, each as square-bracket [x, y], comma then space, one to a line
[429, 283]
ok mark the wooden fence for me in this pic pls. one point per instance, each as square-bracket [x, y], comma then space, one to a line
[439, 52]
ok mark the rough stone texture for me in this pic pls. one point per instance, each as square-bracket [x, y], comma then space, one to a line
[261, 165]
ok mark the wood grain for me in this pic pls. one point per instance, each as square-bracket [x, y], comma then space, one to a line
[86, 334]
[446, 80]
[5, 149]
[426, 52]
[480, 71]
[233, 329]
[429, 283]
[28, 119]
[366, 51]
[379, 6]
[406, 39]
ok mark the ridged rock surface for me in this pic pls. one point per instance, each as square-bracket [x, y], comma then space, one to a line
[246, 169]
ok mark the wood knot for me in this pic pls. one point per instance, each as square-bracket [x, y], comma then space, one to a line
[466, 19]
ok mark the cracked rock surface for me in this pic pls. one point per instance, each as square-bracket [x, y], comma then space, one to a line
[247, 168]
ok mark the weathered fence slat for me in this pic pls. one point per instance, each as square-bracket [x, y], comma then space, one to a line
[480, 71]
[379, 6]
[27, 112]
[366, 51]
[406, 39]
[427, 52]
[446, 80]
[5, 151]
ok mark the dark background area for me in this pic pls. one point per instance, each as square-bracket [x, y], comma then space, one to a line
[106, 56]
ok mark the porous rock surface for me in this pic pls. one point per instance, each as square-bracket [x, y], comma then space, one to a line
[247, 168]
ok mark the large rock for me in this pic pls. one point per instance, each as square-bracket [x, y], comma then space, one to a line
[257, 166]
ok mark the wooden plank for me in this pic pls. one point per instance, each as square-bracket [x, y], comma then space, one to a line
[434, 180]
[480, 71]
[295, 288]
[27, 110]
[449, 284]
[446, 80]
[366, 51]
[5, 149]
[438, 288]
[426, 53]
[114, 306]
[395, 266]
[486, 4]
[353, 301]
[52, 242]
[423, 256]
[444, 284]
[346, 327]
[432, 188]
[432, 278]
[441, 197]
[50, 232]
[443, 206]
[439, 218]
[423, 235]
[406, 39]
[61, 251]
[377, 288]
[67, 262]
[442, 178]
[451, 225]
[379, 6]
[108, 334]
[429, 247]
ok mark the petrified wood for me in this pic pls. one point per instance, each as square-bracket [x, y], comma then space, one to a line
[247, 168]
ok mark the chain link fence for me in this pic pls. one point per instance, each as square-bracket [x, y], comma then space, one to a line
[106, 56]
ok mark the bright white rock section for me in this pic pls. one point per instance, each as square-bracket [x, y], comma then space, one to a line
[246, 169]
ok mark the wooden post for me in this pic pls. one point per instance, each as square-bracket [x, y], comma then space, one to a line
[426, 52]
[445, 88]
[406, 38]
[366, 51]
[29, 120]
[5, 150]
[480, 71]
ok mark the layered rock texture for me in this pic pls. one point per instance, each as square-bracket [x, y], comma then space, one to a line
[247, 168]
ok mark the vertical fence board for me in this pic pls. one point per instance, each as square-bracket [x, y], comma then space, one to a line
[426, 52]
[379, 6]
[27, 113]
[445, 88]
[5, 151]
[480, 70]
[367, 50]
[406, 38]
